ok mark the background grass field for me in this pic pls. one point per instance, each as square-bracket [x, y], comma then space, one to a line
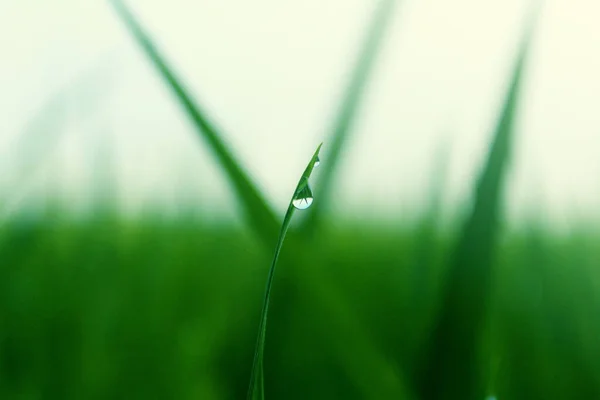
[108, 306]
[169, 309]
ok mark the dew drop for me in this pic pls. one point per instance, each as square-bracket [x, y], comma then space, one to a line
[303, 198]
[302, 204]
[317, 162]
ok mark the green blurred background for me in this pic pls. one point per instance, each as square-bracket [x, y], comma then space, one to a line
[451, 251]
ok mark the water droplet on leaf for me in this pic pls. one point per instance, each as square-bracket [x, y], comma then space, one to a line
[317, 162]
[303, 197]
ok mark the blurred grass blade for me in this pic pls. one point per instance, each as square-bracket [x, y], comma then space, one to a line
[426, 234]
[261, 217]
[426, 253]
[256, 387]
[44, 131]
[451, 367]
[350, 103]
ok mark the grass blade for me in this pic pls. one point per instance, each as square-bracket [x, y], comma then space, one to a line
[350, 103]
[258, 212]
[425, 256]
[427, 231]
[451, 367]
[43, 133]
[256, 387]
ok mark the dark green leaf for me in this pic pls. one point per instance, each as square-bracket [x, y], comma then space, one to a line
[259, 214]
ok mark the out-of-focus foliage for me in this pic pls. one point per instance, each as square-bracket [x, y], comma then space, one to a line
[154, 309]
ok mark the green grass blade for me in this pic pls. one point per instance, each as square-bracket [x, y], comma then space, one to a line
[258, 212]
[350, 103]
[451, 365]
[426, 254]
[427, 231]
[256, 387]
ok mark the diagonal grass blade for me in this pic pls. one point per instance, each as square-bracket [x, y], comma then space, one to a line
[259, 214]
[44, 131]
[350, 103]
[451, 361]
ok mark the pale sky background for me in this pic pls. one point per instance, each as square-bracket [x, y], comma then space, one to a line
[271, 73]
